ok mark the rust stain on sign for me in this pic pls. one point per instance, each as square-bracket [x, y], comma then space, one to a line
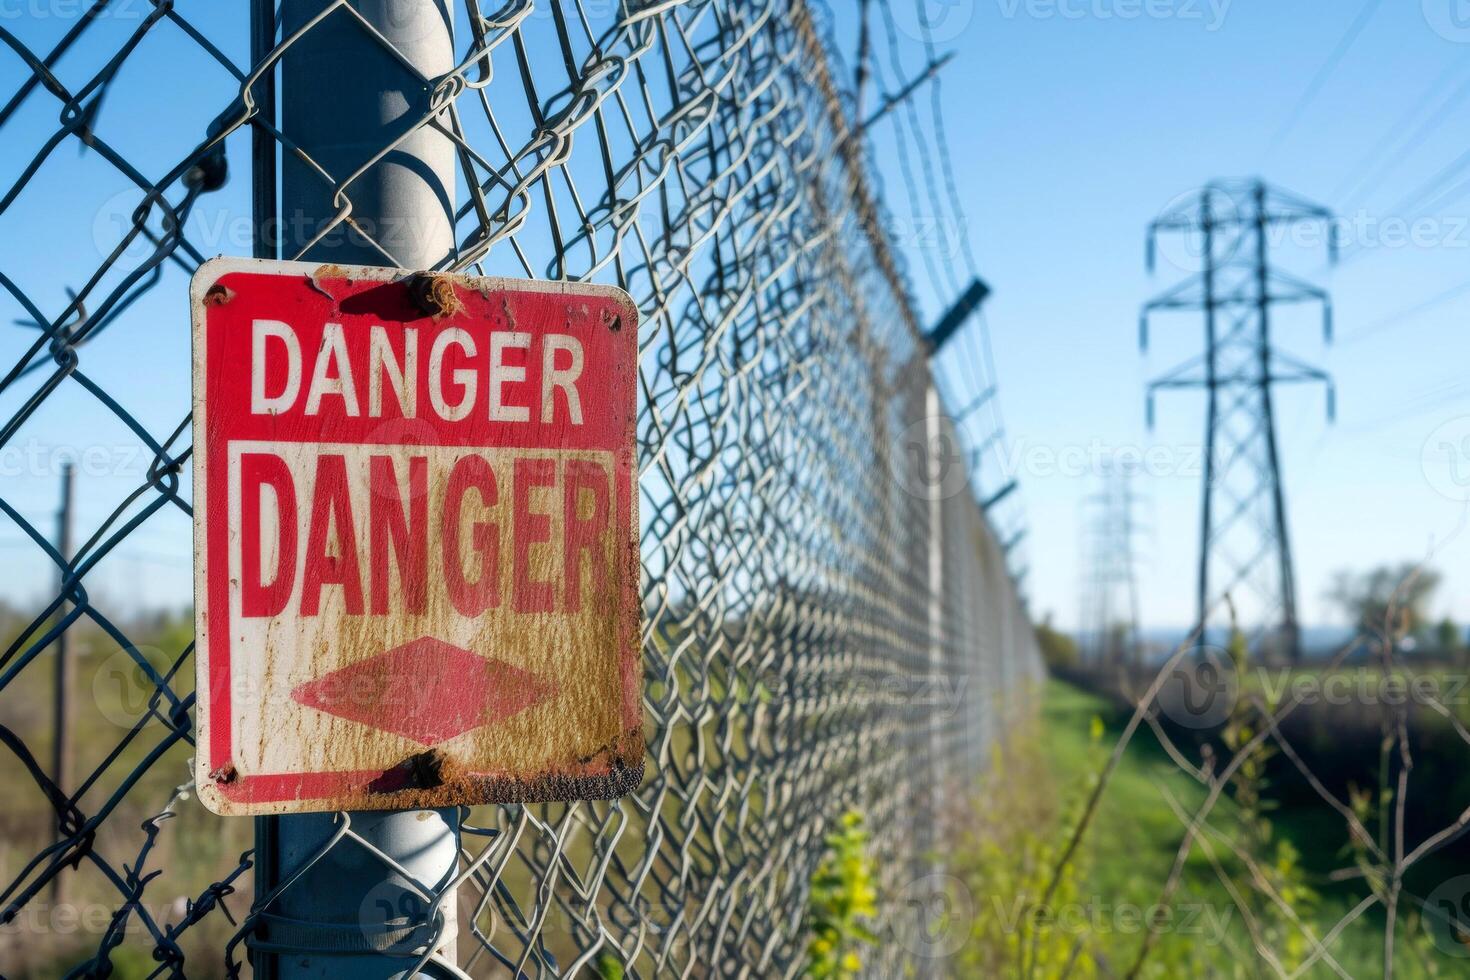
[416, 539]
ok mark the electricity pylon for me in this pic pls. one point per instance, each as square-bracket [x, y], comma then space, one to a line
[1245, 551]
[1110, 618]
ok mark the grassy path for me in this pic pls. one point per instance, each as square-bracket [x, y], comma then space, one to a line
[1129, 851]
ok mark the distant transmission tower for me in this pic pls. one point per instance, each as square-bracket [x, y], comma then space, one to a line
[1110, 620]
[1245, 551]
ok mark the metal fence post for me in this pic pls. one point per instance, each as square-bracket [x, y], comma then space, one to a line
[63, 710]
[937, 436]
[350, 86]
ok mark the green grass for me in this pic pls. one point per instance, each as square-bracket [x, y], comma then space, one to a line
[193, 849]
[1130, 848]
[1133, 831]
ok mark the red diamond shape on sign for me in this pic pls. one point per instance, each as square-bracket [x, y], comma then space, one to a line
[426, 690]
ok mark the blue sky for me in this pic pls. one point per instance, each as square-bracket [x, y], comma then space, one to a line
[1071, 123]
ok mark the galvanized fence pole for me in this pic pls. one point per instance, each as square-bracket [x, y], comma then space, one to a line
[360, 78]
[937, 435]
[63, 714]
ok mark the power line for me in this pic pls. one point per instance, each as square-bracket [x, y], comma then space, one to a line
[1430, 190]
[1434, 195]
[1358, 180]
[1431, 399]
[1314, 87]
[1418, 309]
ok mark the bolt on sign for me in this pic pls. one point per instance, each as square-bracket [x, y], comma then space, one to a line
[416, 559]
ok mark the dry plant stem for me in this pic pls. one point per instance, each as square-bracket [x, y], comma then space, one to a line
[1217, 788]
[1396, 882]
[1395, 726]
[1437, 706]
[1072, 958]
[1251, 924]
[1258, 879]
[1424, 907]
[1454, 830]
[1395, 721]
[1367, 903]
[1190, 833]
[1445, 837]
[1387, 636]
[1090, 810]
[1355, 826]
[1346, 874]
[1197, 774]
[1386, 647]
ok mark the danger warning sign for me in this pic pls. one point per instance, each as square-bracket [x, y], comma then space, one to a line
[416, 561]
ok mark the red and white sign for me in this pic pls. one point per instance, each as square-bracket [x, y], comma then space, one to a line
[416, 547]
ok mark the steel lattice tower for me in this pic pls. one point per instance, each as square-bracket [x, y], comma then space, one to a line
[1245, 550]
[1110, 611]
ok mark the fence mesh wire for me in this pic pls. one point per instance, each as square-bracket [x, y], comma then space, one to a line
[829, 620]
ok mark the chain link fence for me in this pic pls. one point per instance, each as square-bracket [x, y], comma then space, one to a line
[829, 621]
